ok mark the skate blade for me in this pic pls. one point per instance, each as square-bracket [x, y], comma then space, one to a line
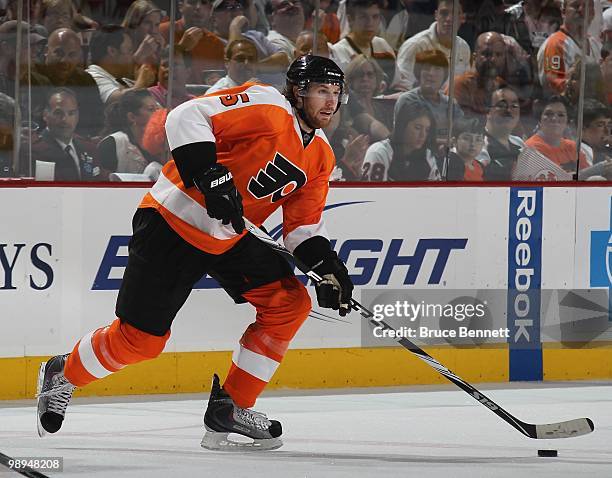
[41, 377]
[221, 441]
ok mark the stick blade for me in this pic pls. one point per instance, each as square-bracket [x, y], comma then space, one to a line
[568, 429]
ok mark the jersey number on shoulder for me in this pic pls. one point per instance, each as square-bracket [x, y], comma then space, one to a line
[279, 178]
[231, 100]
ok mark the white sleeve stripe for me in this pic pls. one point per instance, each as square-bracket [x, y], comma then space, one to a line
[185, 208]
[255, 364]
[301, 233]
[89, 359]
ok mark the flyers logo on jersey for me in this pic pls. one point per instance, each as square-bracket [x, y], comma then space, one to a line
[279, 178]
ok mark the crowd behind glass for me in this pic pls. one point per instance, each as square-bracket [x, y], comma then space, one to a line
[439, 90]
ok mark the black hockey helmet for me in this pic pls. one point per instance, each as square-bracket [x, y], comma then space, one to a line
[314, 69]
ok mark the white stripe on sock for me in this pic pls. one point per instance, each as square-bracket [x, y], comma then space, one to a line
[258, 365]
[89, 359]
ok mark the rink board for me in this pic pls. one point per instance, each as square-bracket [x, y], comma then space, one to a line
[62, 253]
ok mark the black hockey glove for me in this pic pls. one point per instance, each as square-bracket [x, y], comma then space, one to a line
[223, 201]
[336, 289]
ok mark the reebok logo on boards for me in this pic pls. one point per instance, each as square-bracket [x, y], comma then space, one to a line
[279, 178]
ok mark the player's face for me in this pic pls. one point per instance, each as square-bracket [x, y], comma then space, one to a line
[320, 103]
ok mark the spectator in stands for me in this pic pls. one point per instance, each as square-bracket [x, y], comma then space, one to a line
[63, 14]
[240, 63]
[593, 84]
[531, 22]
[179, 91]
[606, 33]
[191, 34]
[473, 89]
[595, 131]
[7, 120]
[122, 151]
[33, 6]
[559, 52]
[431, 72]
[63, 67]
[406, 155]
[155, 143]
[364, 18]
[9, 63]
[304, 44]
[606, 73]
[74, 158]
[364, 79]
[141, 22]
[329, 24]
[413, 17]
[502, 148]
[468, 141]
[111, 50]
[349, 165]
[231, 23]
[549, 139]
[287, 21]
[437, 37]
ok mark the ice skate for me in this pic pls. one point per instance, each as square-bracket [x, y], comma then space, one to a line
[54, 392]
[223, 418]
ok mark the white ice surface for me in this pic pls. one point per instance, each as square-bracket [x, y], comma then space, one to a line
[422, 432]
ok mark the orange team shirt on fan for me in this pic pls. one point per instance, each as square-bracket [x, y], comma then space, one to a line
[208, 54]
[560, 155]
[474, 174]
[558, 54]
[259, 140]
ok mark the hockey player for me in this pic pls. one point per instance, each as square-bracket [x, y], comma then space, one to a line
[243, 151]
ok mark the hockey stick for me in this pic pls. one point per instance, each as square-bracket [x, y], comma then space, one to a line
[566, 429]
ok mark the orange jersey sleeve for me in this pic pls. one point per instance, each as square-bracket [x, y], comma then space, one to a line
[258, 138]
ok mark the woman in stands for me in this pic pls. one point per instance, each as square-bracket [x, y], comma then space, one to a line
[364, 79]
[549, 138]
[142, 24]
[121, 151]
[407, 154]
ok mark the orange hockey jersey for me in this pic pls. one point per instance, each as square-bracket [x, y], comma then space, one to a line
[258, 139]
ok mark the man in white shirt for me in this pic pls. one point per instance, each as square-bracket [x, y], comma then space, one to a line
[437, 37]
[364, 18]
[287, 20]
[240, 63]
[111, 50]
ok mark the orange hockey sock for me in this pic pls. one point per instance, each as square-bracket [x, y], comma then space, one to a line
[282, 307]
[109, 349]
